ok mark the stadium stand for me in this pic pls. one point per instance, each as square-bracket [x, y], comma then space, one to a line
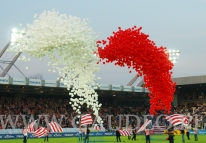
[12, 105]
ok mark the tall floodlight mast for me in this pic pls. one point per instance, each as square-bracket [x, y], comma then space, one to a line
[14, 35]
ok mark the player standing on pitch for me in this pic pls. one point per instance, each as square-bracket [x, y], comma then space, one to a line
[46, 137]
[25, 132]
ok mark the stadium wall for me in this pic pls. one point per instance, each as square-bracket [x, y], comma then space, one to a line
[68, 132]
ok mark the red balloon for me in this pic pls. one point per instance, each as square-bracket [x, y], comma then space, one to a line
[132, 48]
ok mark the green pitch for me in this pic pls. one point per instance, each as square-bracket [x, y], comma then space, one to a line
[112, 139]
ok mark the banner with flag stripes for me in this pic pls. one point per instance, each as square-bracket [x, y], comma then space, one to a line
[177, 119]
[159, 129]
[124, 132]
[86, 119]
[99, 127]
[40, 132]
[30, 128]
[147, 122]
[55, 127]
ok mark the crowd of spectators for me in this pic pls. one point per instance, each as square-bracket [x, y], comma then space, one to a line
[195, 110]
[32, 106]
[22, 109]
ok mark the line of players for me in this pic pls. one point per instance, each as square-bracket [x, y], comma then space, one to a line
[170, 133]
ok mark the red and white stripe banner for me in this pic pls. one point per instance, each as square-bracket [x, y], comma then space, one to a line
[31, 127]
[144, 125]
[86, 119]
[124, 132]
[55, 127]
[97, 127]
[40, 132]
[159, 129]
[177, 119]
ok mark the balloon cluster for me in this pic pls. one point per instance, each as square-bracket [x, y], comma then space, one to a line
[70, 44]
[132, 48]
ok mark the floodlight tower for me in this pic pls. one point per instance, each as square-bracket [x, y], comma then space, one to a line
[14, 35]
[173, 56]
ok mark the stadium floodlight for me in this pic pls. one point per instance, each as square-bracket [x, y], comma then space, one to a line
[174, 55]
[14, 35]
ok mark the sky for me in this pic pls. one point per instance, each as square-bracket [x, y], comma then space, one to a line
[179, 25]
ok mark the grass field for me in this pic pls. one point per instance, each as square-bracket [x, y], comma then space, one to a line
[112, 139]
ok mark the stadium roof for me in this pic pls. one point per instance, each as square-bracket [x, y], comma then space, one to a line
[52, 87]
[190, 80]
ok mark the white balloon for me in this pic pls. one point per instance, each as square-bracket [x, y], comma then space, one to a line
[70, 43]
